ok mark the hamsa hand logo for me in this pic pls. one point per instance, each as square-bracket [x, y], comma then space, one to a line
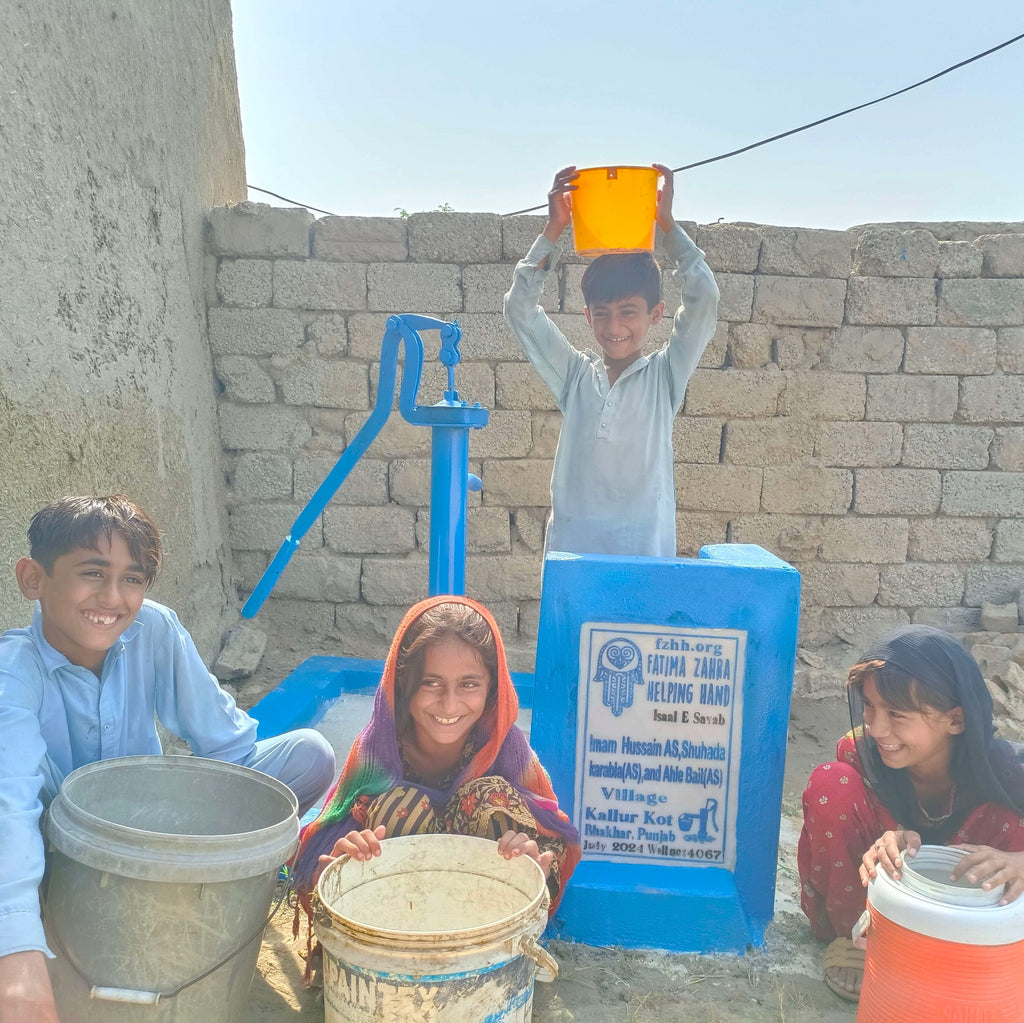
[619, 670]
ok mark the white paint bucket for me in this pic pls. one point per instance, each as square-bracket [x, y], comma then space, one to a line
[437, 928]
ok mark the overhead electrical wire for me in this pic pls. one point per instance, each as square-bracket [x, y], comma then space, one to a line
[753, 145]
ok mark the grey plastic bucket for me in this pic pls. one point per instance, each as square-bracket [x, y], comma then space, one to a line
[160, 869]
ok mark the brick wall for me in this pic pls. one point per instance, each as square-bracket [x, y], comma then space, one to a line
[859, 412]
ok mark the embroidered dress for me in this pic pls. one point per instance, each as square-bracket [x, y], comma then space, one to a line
[498, 781]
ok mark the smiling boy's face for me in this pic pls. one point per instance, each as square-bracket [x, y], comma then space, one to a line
[620, 327]
[88, 600]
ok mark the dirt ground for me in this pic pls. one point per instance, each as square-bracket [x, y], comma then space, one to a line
[779, 982]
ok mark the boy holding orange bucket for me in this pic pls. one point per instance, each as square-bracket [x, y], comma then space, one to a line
[612, 486]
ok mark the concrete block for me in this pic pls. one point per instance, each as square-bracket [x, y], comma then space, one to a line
[814, 394]
[262, 427]
[529, 619]
[506, 435]
[983, 493]
[474, 382]
[988, 302]
[503, 577]
[256, 229]
[793, 538]
[946, 446]
[736, 296]
[365, 334]
[960, 350]
[763, 442]
[716, 350]
[1002, 254]
[914, 585]
[807, 490]
[326, 383]
[361, 239]
[697, 440]
[455, 237]
[992, 399]
[487, 530]
[409, 481]
[694, 531]
[329, 429]
[254, 331]
[528, 526]
[519, 233]
[949, 539]
[740, 393]
[356, 530]
[244, 379]
[262, 475]
[958, 259]
[725, 488]
[919, 398]
[999, 617]
[835, 585]
[245, 282]
[951, 619]
[800, 252]
[546, 428]
[897, 491]
[414, 287]
[891, 300]
[241, 654]
[484, 286]
[366, 484]
[861, 626]
[400, 581]
[329, 333]
[524, 481]
[572, 290]
[874, 541]
[320, 575]
[1008, 449]
[729, 247]
[799, 301]
[1009, 544]
[1010, 349]
[519, 386]
[263, 527]
[311, 284]
[750, 345]
[367, 629]
[888, 252]
[397, 438]
[864, 350]
[858, 444]
[998, 584]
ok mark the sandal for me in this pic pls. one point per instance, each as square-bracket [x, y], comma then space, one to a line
[842, 954]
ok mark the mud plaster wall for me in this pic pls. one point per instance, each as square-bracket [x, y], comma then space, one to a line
[119, 128]
[858, 412]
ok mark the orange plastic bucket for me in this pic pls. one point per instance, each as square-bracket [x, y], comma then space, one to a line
[941, 951]
[614, 209]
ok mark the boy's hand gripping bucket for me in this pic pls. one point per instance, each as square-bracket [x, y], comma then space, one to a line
[938, 949]
[614, 210]
[436, 928]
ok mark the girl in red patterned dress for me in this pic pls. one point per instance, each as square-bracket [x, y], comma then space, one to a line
[921, 765]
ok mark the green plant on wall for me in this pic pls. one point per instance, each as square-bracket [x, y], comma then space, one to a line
[445, 207]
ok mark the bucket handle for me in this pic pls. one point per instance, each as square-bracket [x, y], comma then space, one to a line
[121, 994]
[547, 968]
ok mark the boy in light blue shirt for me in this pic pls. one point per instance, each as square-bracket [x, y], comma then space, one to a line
[82, 683]
[612, 485]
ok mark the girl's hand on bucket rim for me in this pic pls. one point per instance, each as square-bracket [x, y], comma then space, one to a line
[885, 853]
[992, 867]
[360, 845]
[518, 843]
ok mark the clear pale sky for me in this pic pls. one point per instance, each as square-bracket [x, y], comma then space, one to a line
[362, 107]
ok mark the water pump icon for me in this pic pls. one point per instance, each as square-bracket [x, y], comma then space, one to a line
[709, 812]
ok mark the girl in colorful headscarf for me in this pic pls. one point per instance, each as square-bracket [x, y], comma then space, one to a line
[921, 765]
[442, 753]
